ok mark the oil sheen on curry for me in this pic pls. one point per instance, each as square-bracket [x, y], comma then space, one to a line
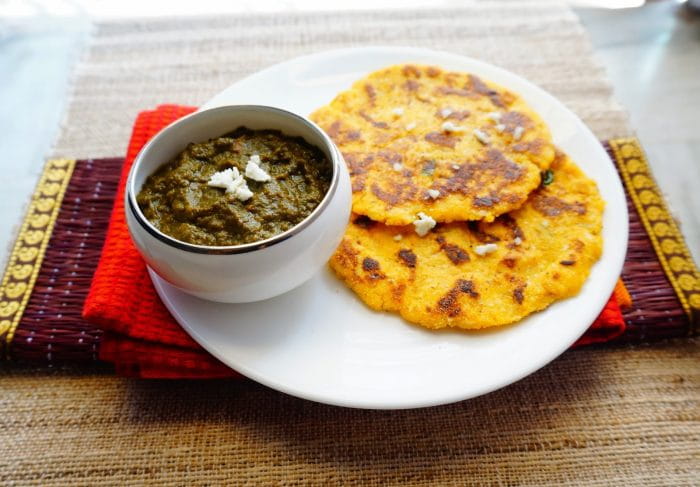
[243, 187]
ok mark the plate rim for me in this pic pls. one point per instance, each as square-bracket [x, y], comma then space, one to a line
[550, 354]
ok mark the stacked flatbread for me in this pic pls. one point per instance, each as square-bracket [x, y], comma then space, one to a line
[465, 214]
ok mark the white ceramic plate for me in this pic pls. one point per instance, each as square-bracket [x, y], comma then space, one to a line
[322, 343]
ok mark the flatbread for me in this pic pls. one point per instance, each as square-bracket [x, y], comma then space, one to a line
[403, 159]
[530, 258]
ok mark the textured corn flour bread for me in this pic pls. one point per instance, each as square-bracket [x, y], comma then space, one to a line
[451, 145]
[478, 274]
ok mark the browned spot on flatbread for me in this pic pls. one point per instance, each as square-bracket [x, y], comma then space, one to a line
[559, 158]
[339, 135]
[346, 255]
[396, 193]
[480, 235]
[371, 93]
[568, 262]
[578, 245]
[364, 222]
[486, 201]
[553, 206]
[358, 184]
[509, 262]
[411, 70]
[532, 147]
[428, 168]
[408, 257]
[448, 303]
[334, 130]
[516, 119]
[397, 292]
[357, 165]
[432, 71]
[411, 85]
[357, 162]
[371, 266]
[379, 125]
[519, 294]
[352, 135]
[490, 167]
[449, 90]
[481, 88]
[440, 138]
[390, 156]
[455, 115]
[455, 253]
[509, 222]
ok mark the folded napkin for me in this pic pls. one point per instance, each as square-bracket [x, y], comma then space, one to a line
[143, 340]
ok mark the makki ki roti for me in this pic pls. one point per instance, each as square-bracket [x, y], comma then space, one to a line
[451, 145]
[475, 274]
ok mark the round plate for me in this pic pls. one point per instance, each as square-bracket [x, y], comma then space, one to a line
[320, 342]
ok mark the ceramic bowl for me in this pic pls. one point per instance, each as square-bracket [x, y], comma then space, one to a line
[247, 272]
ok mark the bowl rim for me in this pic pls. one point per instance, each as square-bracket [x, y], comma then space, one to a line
[336, 159]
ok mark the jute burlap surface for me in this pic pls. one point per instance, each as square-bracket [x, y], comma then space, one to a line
[597, 416]
[139, 64]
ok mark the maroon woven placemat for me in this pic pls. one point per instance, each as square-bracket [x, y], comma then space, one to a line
[51, 329]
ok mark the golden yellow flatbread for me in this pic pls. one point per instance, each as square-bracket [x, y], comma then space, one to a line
[477, 274]
[451, 145]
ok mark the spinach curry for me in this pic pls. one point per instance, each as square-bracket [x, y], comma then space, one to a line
[178, 200]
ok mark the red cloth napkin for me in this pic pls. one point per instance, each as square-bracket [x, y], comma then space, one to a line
[143, 340]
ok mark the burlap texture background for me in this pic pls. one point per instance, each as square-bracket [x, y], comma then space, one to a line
[135, 65]
[593, 417]
[599, 416]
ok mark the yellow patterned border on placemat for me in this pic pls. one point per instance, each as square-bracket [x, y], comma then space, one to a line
[663, 232]
[30, 246]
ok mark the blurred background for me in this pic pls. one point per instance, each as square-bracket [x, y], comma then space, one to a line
[651, 51]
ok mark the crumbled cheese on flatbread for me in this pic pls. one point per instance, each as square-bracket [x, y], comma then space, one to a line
[485, 249]
[482, 137]
[423, 224]
[451, 127]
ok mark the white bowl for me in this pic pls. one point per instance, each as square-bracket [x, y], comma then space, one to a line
[248, 272]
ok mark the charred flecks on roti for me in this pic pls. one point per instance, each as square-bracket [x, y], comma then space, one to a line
[375, 123]
[449, 304]
[553, 206]
[455, 253]
[442, 139]
[371, 93]
[528, 265]
[408, 257]
[425, 113]
[519, 294]
[371, 266]
[341, 135]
